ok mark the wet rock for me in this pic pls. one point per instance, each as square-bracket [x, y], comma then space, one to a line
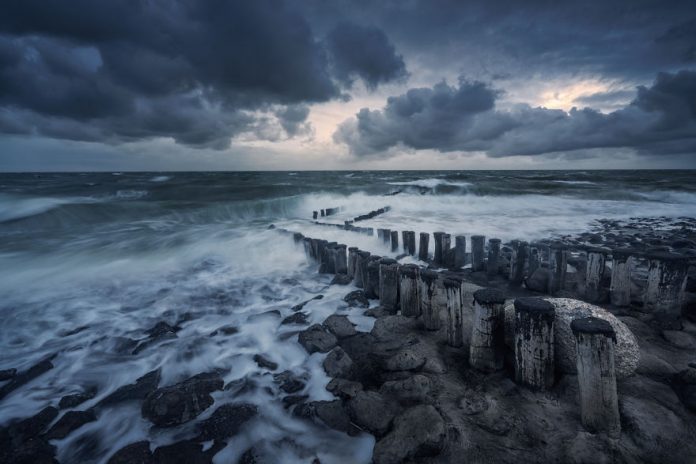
[185, 452]
[341, 279]
[680, 339]
[76, 399]
[298, 307]
[389, 327]
[372, 411]
[297, 318]
[32, 451]
[317, 339]
[135, 391]
[377, 312]
[291, 400]
[343, 388]
[69, 422]
[135, 453]
[405, 360]
[21, 442]
[31, 427]
[653, 365]
[338, 363]
[356, 299]
[162, 329]
[538, 281]
[7, 374]
[226, 421]
[225, 330]
[420, 431]
[626, 351]
[264, 362]
[289, 383]
[414, 389]
[684, 384]
[25, 377]
[473, 403]
[340, 326]
[333, 414]
[182, 402]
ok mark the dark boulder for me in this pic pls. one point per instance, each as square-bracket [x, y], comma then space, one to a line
[297, 318]
[418, 432]
[76, 399]
[181, 402]
[372, 411]
[135, 391]
[226, 421]
[343, 388]
[684, 384]
[341, 279]
[338, 363]
[317, 339]
[225, 330]
[333, 414]
[135, 453]
[298, 307]
[288, 382]
[340, 326]
[357, 299]
[538, 281]
[185, 452]
[264, 362]
[7, 374]
[69, 422]
[27, 376]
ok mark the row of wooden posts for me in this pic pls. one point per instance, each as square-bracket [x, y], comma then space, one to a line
[663, 295]
[417, 292]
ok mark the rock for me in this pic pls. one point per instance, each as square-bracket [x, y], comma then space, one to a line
[338, 363]
[389, 327]
[377, 311]
[414, 389]
[32, 427]
[159, 332]
[679, 339]
[341, 279]
[135, 391]
[316, 339]
[588, 448]
[181, 402]
[135, 453]
[225, 330]
[226, 421]
[340, 326]
[356, 299]
[344, 388]
[32, 451]
[25, 377]
[405, 360]
[69, 422]
[297, 318]
[70, 401]
[291, 400]
[654, 366]
[420, 431]
[264, 362]
[298, 307]
[626, 352]
[372, 411]
[7, 374]
[538, 281]
[684, 384]
[289, 383]
[20, 442]
[185, 452]
[335, 416]
[273, 313]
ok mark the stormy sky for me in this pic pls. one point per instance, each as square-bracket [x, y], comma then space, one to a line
[318, 84]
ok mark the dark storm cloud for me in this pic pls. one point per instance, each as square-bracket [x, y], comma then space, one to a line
[365, 52]
[197, 71]
[463, 118]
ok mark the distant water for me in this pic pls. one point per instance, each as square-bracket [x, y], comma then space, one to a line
[118, 252]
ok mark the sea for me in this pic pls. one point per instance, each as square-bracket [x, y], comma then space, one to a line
[90, 261]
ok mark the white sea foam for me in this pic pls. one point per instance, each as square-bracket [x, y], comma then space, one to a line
[432, 183]
[160, 179]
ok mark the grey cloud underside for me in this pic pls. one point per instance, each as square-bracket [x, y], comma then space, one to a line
[661, 119]
[198, 71]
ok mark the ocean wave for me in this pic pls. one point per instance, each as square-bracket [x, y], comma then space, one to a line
[131, 194]
[160, 179]
[432, 183]
[15, 207]
[574, 182]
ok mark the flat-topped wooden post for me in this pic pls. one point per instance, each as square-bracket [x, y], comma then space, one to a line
[534, 259]
[558, 266]
[599, 406]
[371, 283]
[340, 263]
[427, 286]
[410, 242]
[404, 240]
[487, 346]
[664, 293]
[329, 259]
[478, 258]
[361, 268]
[386, 236]
[408, 290]
[389, 284]
[459, 251]
[308, 249]
[394, 241]
[423, 246]
[534, 343]
[518, 262]
[442, 246]
[352, 257]
[620, 287]
[455, 323]
[493, 263]
[594, 273]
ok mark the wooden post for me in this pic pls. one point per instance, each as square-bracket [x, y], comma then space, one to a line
[455, 322]
[410, 243]
[394, 241]
[620, 288]
[534, 259]
[599, 405]
[404, 240]
[321, 255]
[361, 268]
[352, 257]
[389, 284]
[442, 246]
[558, 265]
[371, 283]
[594, 273]
[323, 213]
[664, 294]
[329, 260]
[427, 286]
[459, 251]
[534, 342]
[309, 252]
[315, 215]
[340, 263]
[487, 346]
[518, 262]
[408, 290]
[423, 246]
[478, 243]
[386, 236]
[493, 264]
